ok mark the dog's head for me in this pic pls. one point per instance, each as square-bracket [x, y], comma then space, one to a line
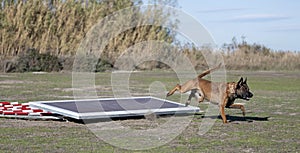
[242, 90]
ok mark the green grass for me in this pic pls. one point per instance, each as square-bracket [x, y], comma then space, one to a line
[276, 98]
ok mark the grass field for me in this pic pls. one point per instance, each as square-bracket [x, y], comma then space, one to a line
[271, 125]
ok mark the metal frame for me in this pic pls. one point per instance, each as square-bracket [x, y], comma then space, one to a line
[127, 113]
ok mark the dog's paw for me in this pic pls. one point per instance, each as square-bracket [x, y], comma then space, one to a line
[169, 94]
[187, 103]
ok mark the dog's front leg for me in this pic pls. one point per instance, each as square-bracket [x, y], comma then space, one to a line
[222, 109]
[192, 94]
[200, 96]
[239, 106]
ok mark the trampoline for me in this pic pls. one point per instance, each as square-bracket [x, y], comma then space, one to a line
[114, 107]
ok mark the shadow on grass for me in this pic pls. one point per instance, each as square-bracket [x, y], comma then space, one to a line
[239, 118]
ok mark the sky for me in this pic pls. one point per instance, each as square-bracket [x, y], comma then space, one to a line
[273, 23]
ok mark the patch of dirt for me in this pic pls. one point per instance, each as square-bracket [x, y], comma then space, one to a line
[6, 87]
[99, 88]
[269, 73]
[294, 114]
[5, 76]
[12, 82]
[20, 123]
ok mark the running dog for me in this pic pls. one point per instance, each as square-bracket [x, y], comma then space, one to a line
[222, 94]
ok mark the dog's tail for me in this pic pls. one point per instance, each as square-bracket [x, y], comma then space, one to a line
[208, 71]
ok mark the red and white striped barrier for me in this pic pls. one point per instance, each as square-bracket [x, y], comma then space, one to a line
[23, 110]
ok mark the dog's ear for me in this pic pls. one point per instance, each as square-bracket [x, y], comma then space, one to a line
[240, 82]
[245, 82]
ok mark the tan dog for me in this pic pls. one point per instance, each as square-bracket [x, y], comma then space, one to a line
[222, 94]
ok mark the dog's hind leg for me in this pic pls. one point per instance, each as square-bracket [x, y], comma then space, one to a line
[171, 92]
[239, 106]
[181, 88]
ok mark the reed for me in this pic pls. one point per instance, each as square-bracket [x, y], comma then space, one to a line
[58, 26]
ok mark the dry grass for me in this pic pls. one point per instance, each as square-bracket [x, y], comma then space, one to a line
[248, 57]
[257, 61]
[60, 27]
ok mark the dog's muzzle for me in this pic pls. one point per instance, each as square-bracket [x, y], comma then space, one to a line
[248, 96]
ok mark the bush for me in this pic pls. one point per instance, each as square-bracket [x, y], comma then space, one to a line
[90, 63]
[32, 60]
[9, 66]
[103, 65]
